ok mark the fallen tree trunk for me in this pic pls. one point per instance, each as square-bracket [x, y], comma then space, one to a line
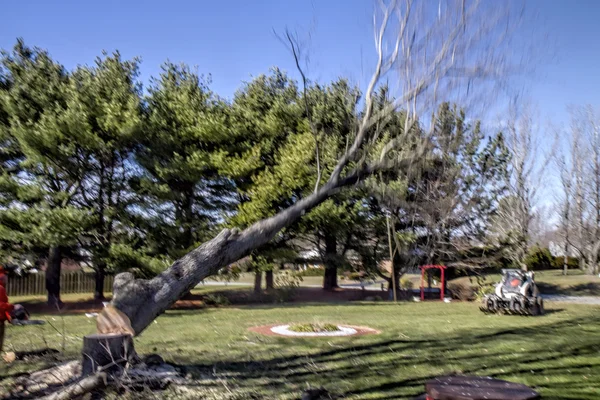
[79, 388]
[144, 300]
[39, 381]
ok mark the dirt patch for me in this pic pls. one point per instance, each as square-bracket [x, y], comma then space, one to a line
[266, 330]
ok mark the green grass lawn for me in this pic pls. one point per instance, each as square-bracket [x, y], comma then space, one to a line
[557, 353]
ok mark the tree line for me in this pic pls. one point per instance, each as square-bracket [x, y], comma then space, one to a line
[96, 166]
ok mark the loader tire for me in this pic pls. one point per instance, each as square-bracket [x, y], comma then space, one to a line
[492, 305]
[515, 306]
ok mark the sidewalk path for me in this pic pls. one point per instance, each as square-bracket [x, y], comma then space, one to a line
[595, 300]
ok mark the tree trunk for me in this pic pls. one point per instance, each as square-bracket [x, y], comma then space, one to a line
[106, 352]
[53, 277]
[269, 280]
[257, 282]
[99, 281]
[330, 276]
[144, 300]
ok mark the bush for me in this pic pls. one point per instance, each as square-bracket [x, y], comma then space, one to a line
[216, 300]
[462, 291]
[483, 290]
[572, 262]
[354, 276]
[406, 284]
[539, 258]
[313, 328]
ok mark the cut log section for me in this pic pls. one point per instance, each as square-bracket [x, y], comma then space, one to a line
[79, 388]
[477, 388]
[108, 353]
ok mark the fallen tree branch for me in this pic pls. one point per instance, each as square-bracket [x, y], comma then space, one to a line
[79, 388]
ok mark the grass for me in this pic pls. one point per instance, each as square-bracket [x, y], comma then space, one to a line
[558, 353]
[554, 282]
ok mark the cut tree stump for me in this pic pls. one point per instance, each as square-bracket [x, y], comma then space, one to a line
[477, 388]
[106, 352]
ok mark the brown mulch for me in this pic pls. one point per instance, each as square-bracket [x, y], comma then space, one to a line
[235, 297]
[266, 330]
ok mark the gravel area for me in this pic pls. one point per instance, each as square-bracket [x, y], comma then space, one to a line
[595, 300]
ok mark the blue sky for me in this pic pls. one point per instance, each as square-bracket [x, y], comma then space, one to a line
[233, 40]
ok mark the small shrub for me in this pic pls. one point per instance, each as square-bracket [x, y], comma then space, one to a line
[462, 291]
[484, 290]
[406, 284]
[354, 276]
[572, 262]
[216, 300]
[313, 328]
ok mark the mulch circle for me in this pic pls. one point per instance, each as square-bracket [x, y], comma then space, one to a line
[266, 330]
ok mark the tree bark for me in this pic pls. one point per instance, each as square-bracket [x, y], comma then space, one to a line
[269, 280]
[79, 388]
[99, 281]
[257, 282]
[53, 276]
[330, 276]
[106, 353]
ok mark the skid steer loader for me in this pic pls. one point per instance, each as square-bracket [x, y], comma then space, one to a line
[516, 293]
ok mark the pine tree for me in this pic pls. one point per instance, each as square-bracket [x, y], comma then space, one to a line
[104, 109]
[184, 135]
[42, 212]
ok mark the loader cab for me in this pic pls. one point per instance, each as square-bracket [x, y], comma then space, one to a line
[515, 281]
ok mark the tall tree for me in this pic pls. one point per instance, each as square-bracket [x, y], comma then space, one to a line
[43, 212]
[434, 55]
[273, 160]
[526, 174]
[104, 104]
[184, 130]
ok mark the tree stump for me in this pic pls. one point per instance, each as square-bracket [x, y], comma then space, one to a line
[477, 388]
[106, 352]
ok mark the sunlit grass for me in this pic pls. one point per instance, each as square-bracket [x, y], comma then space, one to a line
[557, 353]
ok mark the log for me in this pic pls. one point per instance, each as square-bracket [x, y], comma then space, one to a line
[477, 388]
[79, 388]
[108, 353]
[58, 375]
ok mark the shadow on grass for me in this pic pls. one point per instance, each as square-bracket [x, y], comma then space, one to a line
[398, 368]
[583, 289]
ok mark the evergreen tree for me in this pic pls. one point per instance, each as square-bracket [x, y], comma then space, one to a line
[184, 134]
[42, 211]
[104, 102]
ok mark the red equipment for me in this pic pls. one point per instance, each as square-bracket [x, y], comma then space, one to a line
[442, 283]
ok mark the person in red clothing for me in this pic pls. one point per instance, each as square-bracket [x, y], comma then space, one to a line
[5, 307]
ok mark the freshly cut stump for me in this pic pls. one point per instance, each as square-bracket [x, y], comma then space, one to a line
[477, 388]
[106, 352]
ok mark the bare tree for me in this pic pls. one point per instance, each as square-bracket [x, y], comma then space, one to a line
[565, 202]
[593, 123]
[584, 157]
[435, 52]
[527, 167]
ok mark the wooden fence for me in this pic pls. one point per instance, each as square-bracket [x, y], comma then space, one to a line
[70, 282]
